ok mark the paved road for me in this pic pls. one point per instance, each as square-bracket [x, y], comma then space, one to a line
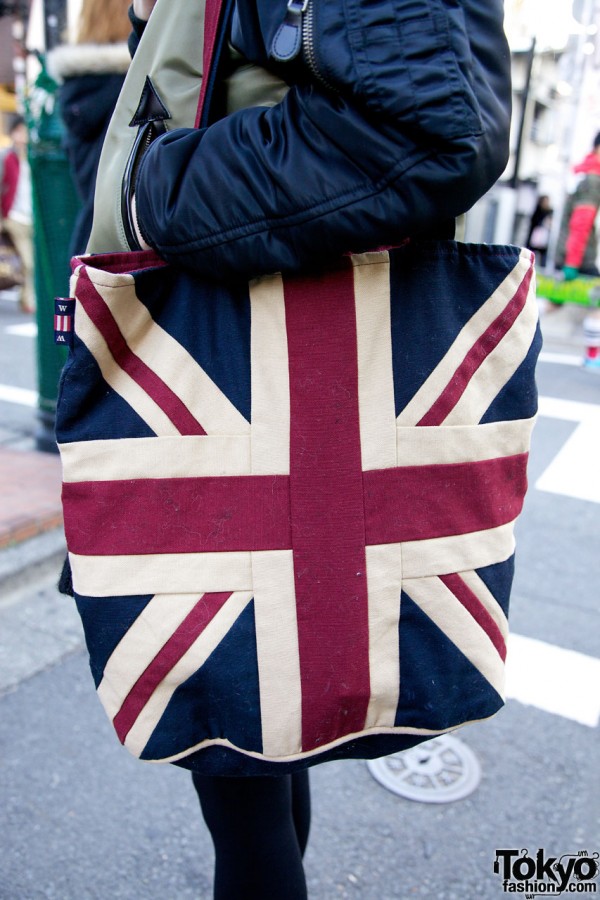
[17, 372]
[80, 819]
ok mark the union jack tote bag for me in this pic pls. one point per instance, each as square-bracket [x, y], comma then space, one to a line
[289, 505]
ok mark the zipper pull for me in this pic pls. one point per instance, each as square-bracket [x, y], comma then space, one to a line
[288, 37]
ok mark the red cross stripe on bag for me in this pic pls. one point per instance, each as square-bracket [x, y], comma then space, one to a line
[325, 506]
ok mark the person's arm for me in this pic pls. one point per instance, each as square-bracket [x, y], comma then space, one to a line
[413, 135]
[143, 8]
[10, 180]
[139, 13]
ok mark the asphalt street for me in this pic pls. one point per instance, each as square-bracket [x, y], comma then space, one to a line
[17, 372]
[81, 819]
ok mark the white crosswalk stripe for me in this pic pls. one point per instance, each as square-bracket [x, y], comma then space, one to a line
[561, 359]
[21, 396]
[554, 679]
[27, 329]
[574, 470]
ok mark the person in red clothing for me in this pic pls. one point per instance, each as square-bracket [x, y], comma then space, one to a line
[17, 207]
[577, 245]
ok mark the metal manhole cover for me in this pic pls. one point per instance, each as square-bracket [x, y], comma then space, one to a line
[438, 771]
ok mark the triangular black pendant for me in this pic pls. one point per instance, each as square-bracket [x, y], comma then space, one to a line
[150, 108]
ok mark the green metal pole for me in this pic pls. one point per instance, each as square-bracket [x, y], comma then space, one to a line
[55, 207]
[54, 210]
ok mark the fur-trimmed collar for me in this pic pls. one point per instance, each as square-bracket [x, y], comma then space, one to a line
[70, 60]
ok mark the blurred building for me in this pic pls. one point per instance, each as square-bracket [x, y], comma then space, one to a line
[555, 52]
[13, 18]
[25, 29]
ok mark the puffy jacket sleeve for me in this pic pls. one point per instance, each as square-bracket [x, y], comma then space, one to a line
[411, 129]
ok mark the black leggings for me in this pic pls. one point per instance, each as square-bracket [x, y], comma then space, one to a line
[259, 827]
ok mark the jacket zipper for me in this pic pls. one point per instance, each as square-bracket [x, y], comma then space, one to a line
[287, 42]
[308, 42]
[308, 45]
[297, 33]
[145, 136]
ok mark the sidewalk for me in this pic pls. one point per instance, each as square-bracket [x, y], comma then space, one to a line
[562, 327]
[32, 544]
[29, 495]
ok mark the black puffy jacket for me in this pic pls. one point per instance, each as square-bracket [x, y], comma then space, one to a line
[90, 78]
[397, 119]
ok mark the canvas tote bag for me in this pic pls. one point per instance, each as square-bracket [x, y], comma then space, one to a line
[289, 504]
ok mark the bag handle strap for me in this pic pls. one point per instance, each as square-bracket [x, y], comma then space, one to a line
[215, 15]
